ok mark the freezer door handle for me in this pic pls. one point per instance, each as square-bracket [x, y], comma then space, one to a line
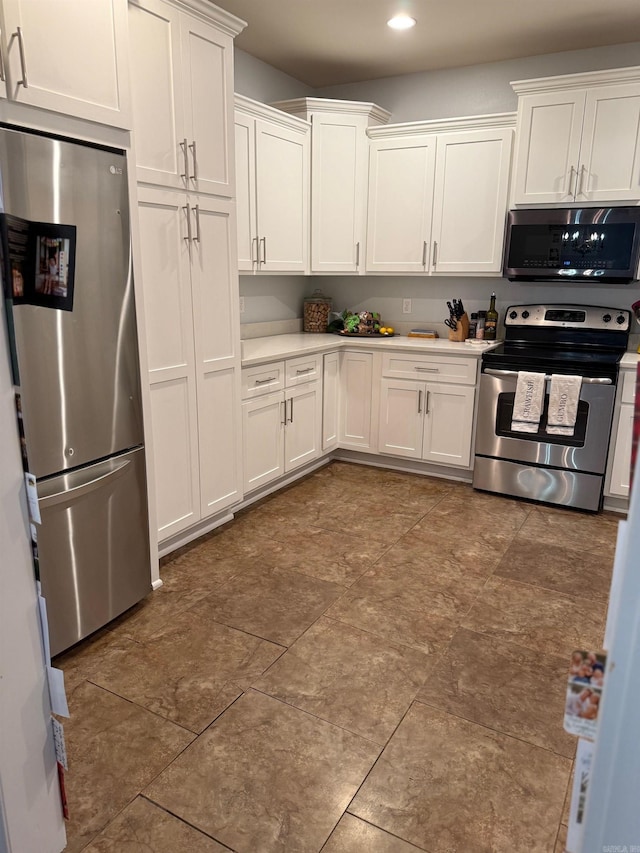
[72, 494]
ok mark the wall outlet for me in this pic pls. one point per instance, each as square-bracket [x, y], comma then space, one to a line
[242, 304]
[406, 306]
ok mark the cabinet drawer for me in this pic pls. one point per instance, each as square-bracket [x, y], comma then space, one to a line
[628, 379]
[430, 367]
[262, 379]
[303, 369]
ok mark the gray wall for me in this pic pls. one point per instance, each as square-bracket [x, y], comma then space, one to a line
[472, 90]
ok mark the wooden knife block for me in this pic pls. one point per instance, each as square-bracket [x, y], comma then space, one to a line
[462, 330]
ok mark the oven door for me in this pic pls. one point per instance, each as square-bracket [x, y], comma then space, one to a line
[585, 451]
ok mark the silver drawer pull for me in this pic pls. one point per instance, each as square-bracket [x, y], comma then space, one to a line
[586, 380]
[264, 381]
[428, 369]
[306, 370]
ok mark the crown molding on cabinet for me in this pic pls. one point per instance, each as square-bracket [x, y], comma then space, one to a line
[207, 11]
[419, 128]
[297, 106]
[577, 81]
[264, 111]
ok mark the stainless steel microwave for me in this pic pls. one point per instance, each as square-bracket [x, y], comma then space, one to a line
[600, 245]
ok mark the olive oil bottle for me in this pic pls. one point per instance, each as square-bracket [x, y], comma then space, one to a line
[491, 321]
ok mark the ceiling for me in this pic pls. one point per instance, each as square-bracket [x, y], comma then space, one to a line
[328, 42]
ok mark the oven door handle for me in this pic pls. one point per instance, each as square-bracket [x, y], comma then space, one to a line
[587, 380]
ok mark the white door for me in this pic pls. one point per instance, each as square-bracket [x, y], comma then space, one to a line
[245, 129]
[401, 418]
[470, 201]
[282, 197]
[207, 57]
[263, 440]
[401, 175]
[610, 153]
[356, 375]
[549, 131]
[448, 424]
[170, 355]
[303, 435]
[330, 401]
[338, 182]
[70, 57]
[217, 363]
[156, 90]
[621, 469]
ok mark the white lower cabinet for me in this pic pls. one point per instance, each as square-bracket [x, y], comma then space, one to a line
[330, 400]
[424, 420]
[621, 468]
[356, 375]
[281, 431]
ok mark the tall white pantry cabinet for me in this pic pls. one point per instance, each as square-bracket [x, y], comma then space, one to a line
[182, 91]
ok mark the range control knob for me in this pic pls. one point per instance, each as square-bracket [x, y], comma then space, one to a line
[525, 314]
[620, 319]
[606, 318]
[513, 314]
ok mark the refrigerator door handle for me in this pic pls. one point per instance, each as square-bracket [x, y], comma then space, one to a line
[82, 489]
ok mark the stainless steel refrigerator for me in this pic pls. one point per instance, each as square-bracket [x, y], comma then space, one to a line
[79, 382]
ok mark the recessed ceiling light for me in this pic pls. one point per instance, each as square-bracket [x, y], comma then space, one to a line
[401, 22]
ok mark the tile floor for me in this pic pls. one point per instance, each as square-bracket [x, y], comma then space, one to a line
[366, 662]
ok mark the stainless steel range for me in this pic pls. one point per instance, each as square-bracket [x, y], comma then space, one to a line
[556, 351]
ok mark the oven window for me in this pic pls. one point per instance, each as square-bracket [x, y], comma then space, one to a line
[504, 416]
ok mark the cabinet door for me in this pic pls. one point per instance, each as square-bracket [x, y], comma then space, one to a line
[156, 86]
[401, 415]
[549, 131]
[74, 57]
[217, 363]
[621, 468]
[610, 153]
[282, 197]
[303, 435]
[170, 355]
[263, 440]
[330, 401]
[245, 129]
[470, 201]
[448, 424]
[400, 204]
[207, 60]
[356, 374]
[338, 192]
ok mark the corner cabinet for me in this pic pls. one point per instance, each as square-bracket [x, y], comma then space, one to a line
[619, 474]
[69, 58]
[339, 164]
[272, 163]
[578, 138]
[182, 84]
[438, 196]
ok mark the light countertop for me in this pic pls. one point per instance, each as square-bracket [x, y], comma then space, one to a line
[259, 350]
[629, 359]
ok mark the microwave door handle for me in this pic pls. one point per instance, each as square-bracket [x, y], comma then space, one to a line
[586, 380]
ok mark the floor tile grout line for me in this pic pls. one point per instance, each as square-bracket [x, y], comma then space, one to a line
[386, 831]
[186, 822]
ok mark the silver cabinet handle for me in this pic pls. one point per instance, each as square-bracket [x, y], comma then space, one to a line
[263, 240]
[23, 62]
[581, 173]
[68, 495]
[357, 253]
[419, 402]
[571, 172]
[194, 176]
[435, 254]
[254, 259]
[3, 75]
[185, 154]
[426, 408]
[187, 210]
[424, 253]
[197, 210]
[427, 369]
[306, 370]
[586, 380]
[264, 381]
[291, 414]
[284, 413]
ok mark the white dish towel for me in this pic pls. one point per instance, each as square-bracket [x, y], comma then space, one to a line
[563, 404]
[528, 401]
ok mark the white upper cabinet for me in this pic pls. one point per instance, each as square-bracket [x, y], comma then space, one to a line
[182, 84]
[272, 161]
[69, 57]
[438, 196]
[578, 138]
[339, 165]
